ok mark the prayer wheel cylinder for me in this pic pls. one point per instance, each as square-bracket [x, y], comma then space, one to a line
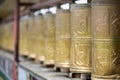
[5, 36]
[8, 33]
[49, 50]
[1, 35]
[81, 38]
[40, 38]
[23, 37]
[20, 37]
[106, 39]
[31, 38]
[25, 50]
[62, 55]
[12, 37]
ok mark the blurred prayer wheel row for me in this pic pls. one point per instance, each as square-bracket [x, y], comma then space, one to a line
[84, 39]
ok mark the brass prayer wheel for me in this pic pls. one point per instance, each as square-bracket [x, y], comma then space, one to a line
[106, 39]
[2, 30]
[23, 37]
[11, 37]
[81, 38]
[31, 38]
[4, 40]
[5, 36]
[62, 55]
[1, 35]
[8, 35]
[40, 38]
[49, 50]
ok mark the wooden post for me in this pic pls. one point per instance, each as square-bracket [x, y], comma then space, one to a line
[16, 39]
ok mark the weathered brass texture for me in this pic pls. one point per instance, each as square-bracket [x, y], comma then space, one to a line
[62, 55]
[40, 38]
[106, 29]
[31, 37]
[49, 51]
[81, 38]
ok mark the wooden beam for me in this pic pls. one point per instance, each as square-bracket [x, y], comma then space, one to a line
[26, 4]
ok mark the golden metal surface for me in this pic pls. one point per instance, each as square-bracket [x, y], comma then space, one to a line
[4, 37]
[81, 38]
[106, 25]
[62, 55]
[11, 38]
[23, 37]
[31, 37]
[49, 50]
[1, 35]
[40, 38]
[6, 34]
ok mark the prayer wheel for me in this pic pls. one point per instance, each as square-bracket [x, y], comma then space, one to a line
[8, 36]
[5, 36]
[106, 39]
[3, 41]
[20, 37]
[49, 50]
[81, 38]
[23, 37]
[1, 36]
[40, 38]
[31, 38]
[62, 55]
[12, 37]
